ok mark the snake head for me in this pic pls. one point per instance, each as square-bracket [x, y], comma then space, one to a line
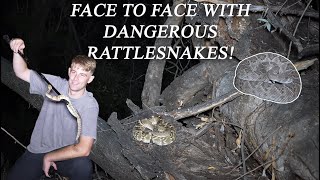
[145, 123]
[154, 120]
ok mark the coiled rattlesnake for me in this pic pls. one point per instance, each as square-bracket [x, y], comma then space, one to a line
[154, 129]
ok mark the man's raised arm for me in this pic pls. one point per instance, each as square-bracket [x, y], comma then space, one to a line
[19, 65]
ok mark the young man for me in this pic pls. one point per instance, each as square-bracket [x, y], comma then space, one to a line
[53, 141]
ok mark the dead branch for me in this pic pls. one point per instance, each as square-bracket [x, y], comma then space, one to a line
[153, 79]
[309, 51]
[256, 148]
[15, 139]
[273, 159]
[187, 112]
[283, 11]
[295, 30]
[302, 65]
[134, 108]
[272, 19]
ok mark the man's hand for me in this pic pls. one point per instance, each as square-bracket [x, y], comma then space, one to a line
[46, 165]
[17, 45]
[81, 149]
[19, 65]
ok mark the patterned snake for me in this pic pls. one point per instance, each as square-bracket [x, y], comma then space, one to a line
[268, 76]
[70, 107]
[154, 129]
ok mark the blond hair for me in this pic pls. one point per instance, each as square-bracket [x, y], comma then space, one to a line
[87, 63]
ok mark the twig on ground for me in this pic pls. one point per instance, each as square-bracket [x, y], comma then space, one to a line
[295, 30]
[281, 7]
[242, 153]
[16, 140]
[274, 159]
[255, 149]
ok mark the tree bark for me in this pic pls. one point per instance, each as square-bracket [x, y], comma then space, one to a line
[181, 92]
[295, 144]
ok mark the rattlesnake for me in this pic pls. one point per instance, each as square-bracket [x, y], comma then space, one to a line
[70, 107]
[268, 76]
[154, 129]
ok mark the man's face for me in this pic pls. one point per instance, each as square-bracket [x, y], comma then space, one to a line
[78, 77]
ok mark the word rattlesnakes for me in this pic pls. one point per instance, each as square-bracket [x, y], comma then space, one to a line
[154, 129]
[70, 107]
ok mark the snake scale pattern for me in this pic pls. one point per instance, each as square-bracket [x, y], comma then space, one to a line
[70, 107]
[155, 130]
[268, 76]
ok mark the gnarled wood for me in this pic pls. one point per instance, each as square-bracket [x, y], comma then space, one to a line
[153, 79]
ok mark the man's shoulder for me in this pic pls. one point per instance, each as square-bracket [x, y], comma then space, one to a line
[90, 100]
[38, 84]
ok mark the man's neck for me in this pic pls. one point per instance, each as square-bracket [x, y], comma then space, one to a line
[75, 94]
